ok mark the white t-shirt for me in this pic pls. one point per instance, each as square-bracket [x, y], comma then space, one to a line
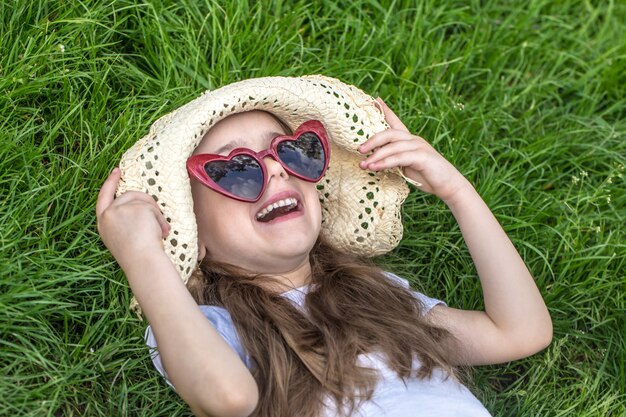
[433, 397]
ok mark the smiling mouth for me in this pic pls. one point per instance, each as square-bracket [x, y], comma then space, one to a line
[278, 209]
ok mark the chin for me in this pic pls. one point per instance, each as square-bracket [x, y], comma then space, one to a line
[293, 246]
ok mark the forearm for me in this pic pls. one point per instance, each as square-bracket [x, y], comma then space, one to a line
[206, 372]
[512, 300]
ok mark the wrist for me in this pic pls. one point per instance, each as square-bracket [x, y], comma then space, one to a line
[463, 194]
[141, 257]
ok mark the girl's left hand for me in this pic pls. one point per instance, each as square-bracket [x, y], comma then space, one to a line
[397, 147]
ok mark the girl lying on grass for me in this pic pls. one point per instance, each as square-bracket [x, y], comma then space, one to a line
[270, 193]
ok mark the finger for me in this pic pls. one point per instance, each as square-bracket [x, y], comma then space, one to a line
[139, 197]
[403, 159]
[382, 138]
[391, 118]
[390, 149]
[130, 196]
[163, 224]
[107, 192]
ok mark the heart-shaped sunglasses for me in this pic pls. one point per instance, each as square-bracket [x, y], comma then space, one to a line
[242, 174]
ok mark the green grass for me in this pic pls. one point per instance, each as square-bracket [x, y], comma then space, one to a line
[527, 99]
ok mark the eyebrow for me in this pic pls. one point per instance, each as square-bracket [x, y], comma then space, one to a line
[239, 142]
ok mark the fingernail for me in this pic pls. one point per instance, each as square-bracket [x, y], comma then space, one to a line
[377, 104]
[114, 170]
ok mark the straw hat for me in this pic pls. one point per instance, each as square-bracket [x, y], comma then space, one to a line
[360, 209]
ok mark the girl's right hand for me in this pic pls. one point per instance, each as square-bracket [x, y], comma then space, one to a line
[131, 224]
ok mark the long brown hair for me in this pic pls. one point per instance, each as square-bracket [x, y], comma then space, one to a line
[299, 357]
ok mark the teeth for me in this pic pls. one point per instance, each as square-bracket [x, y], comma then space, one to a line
[291, 202]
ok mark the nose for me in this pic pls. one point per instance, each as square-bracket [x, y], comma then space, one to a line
[274, 168]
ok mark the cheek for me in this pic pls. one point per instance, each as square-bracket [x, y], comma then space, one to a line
[222, 234]
[315, 206]
[217, 217]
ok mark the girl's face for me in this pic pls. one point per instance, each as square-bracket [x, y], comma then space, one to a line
[230, 230]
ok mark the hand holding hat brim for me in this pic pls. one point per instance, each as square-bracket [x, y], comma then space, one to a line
[397, 147]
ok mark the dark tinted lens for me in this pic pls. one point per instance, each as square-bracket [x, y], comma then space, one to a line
[304, 156]
[241, 176]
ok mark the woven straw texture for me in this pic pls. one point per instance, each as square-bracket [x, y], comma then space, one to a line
[360, 209]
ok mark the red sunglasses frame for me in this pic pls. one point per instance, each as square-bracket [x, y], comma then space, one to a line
[195, 163]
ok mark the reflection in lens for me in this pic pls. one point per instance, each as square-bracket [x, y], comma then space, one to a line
[241, 175]
[304, 155]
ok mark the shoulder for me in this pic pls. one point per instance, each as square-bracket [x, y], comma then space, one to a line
[221, 319]
[396, 279]
[427, 302]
